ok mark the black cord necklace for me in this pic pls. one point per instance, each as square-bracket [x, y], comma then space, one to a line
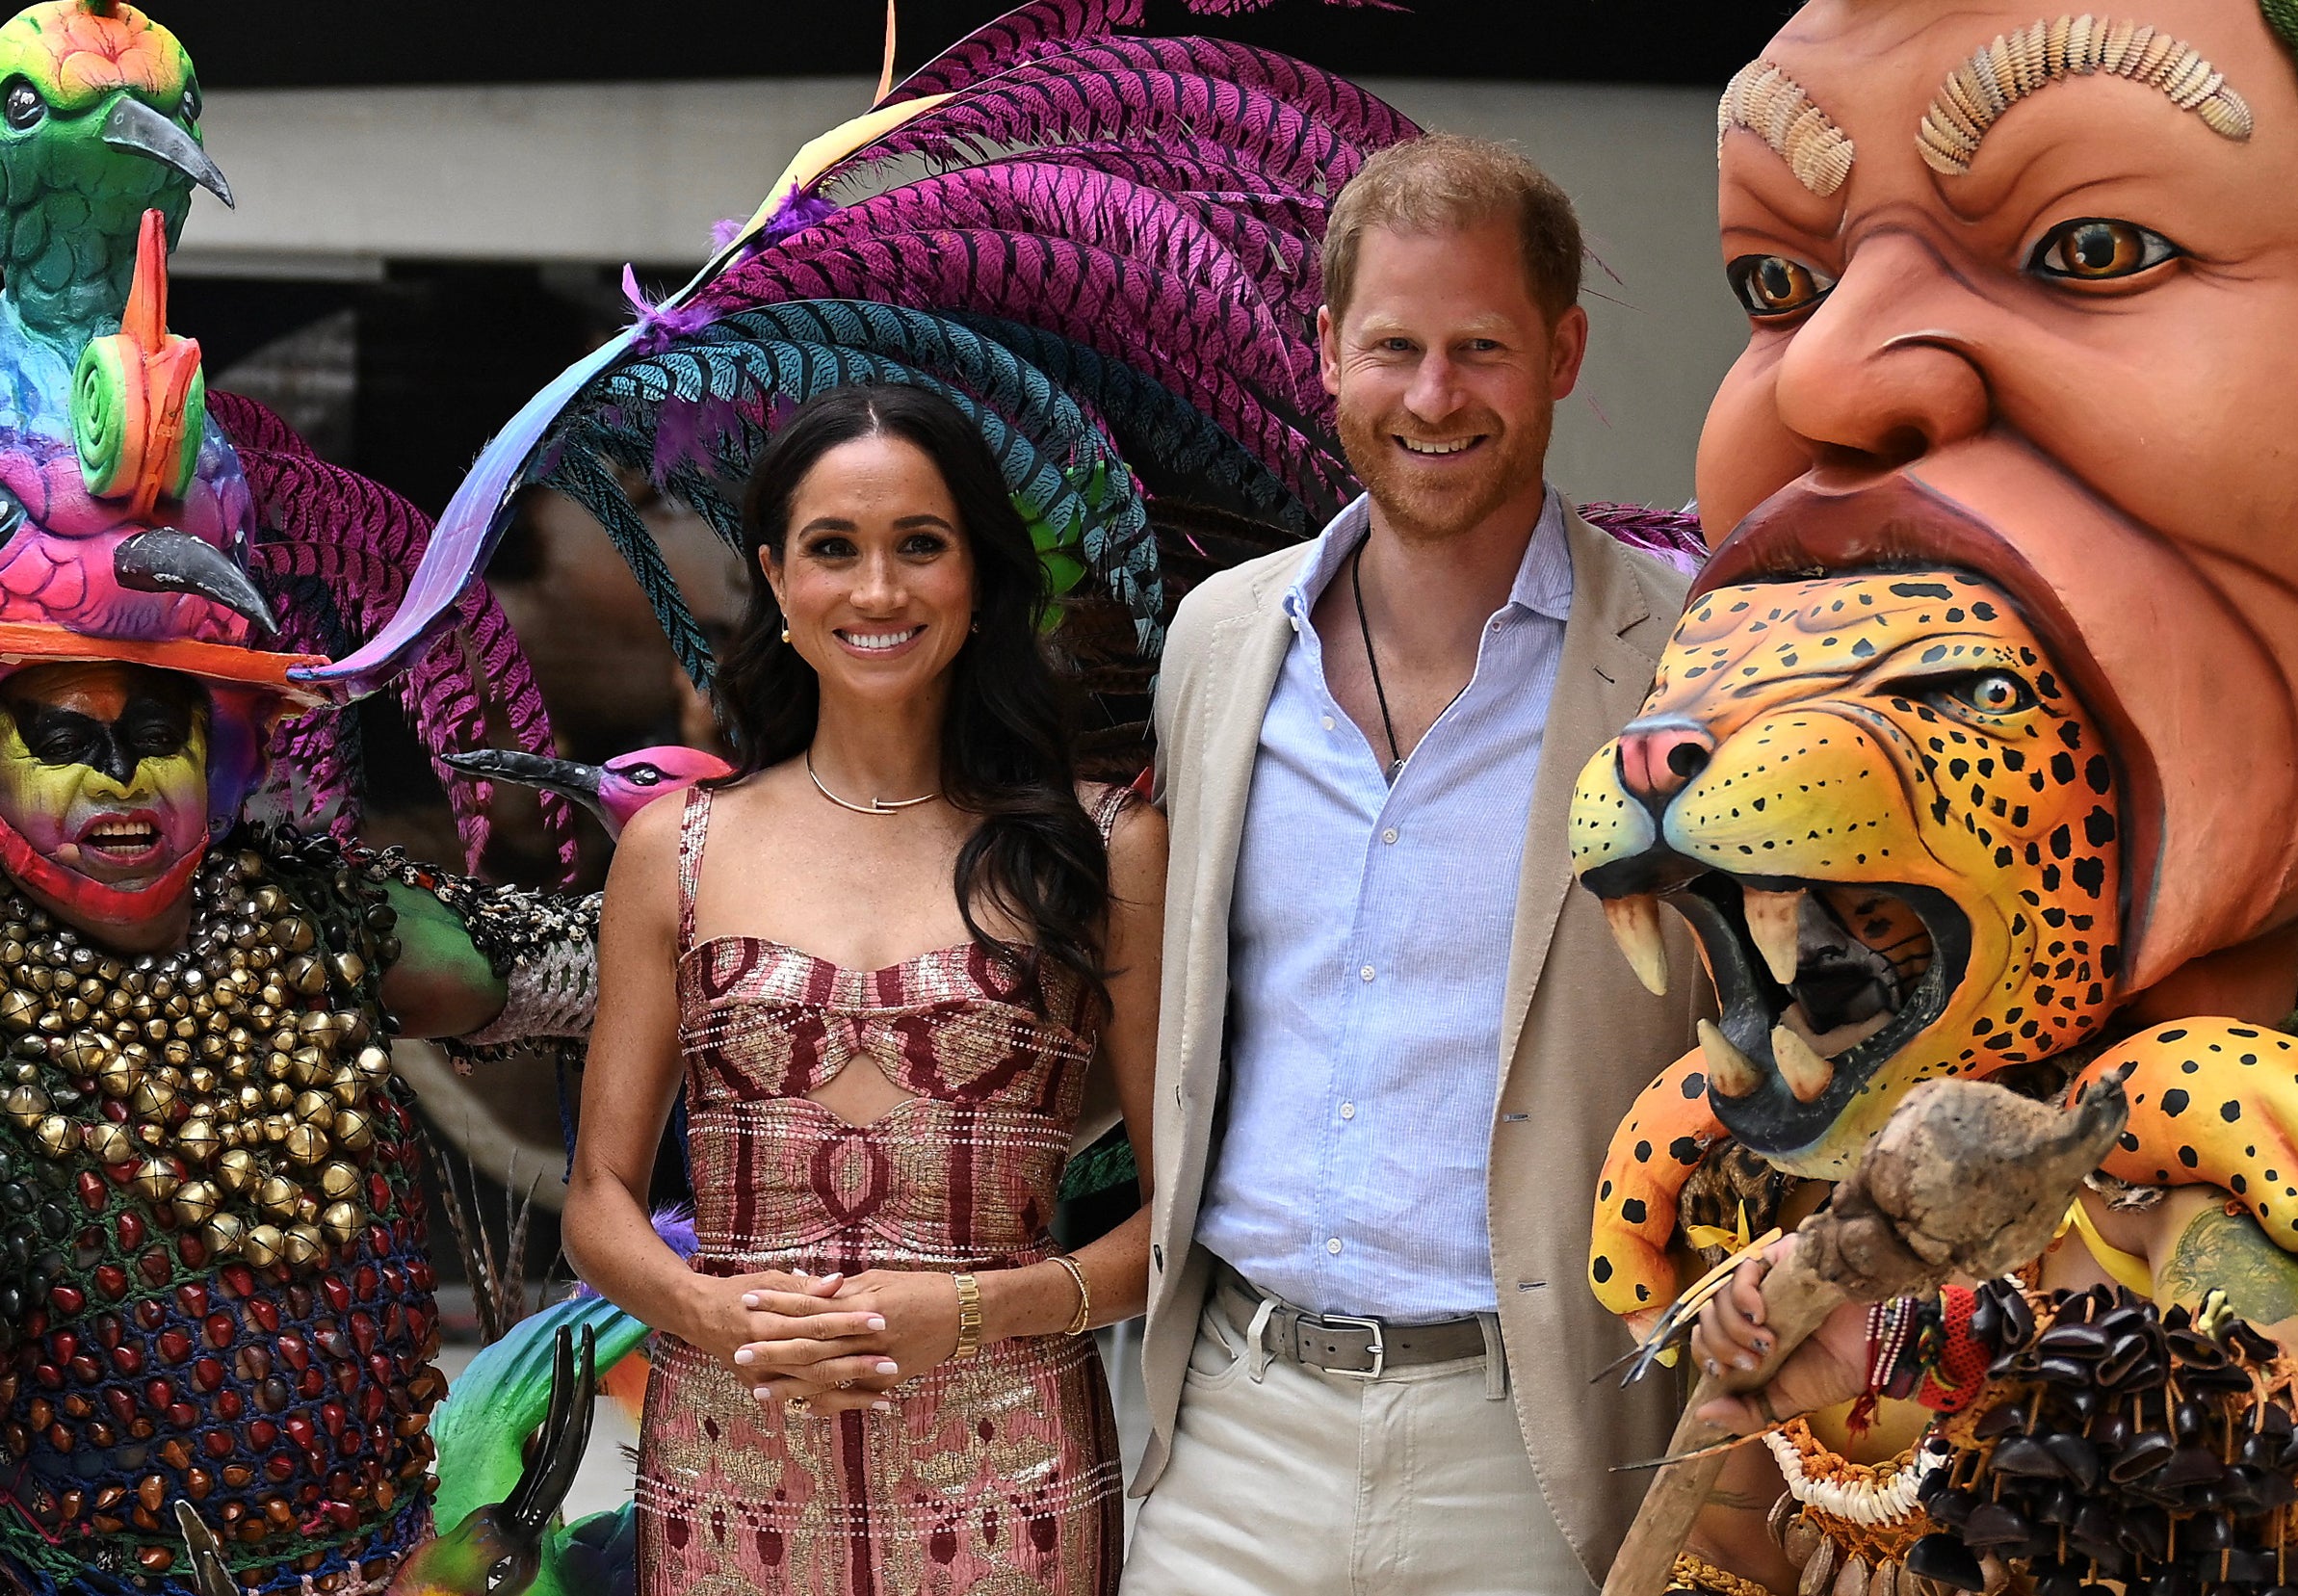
[1357, 585]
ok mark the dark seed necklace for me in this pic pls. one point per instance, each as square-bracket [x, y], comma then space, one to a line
[1357, 585]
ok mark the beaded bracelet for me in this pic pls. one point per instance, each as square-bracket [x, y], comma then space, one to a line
[1922, 1350]
[1694, 1573]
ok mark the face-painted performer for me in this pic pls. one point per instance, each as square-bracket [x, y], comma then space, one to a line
[1972, 753]
[214, 1284]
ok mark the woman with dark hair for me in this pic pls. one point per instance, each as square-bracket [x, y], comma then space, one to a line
[881, 959]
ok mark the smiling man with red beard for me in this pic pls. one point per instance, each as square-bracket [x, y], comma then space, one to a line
[1366, 1360]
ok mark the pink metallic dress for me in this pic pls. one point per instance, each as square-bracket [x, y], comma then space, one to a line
[997, 1475]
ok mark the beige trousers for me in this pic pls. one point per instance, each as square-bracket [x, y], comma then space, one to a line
[1290, 1481]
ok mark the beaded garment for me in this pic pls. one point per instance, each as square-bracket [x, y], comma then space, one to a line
[214, 1282]
[998, 1475]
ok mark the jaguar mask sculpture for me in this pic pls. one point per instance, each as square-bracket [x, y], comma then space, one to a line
[1895, 830]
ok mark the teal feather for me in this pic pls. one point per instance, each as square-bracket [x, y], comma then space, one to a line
[579, 475]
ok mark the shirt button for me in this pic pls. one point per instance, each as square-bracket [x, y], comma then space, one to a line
[1366, 972]
[1333, 1247]
[1349, 1111]
[1389, 835]
[1328, 722]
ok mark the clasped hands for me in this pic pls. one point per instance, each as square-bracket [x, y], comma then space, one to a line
[833, 1341]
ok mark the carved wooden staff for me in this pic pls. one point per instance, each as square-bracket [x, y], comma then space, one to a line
[1966, 1180]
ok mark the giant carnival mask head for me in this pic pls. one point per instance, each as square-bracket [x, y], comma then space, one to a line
[2022, 287]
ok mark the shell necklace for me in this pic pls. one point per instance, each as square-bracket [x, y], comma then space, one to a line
[876, 806]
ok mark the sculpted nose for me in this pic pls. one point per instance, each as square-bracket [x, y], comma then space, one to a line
[1886, 368]
[1657, 761]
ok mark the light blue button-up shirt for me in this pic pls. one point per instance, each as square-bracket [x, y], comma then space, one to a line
[1368, 943]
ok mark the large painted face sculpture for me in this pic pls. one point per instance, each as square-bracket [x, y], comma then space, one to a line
[2023, 289]
[103, 795]
[1894, 831]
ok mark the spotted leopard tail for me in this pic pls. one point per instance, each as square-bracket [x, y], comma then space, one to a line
[1668, 1130]
[2212, 1102]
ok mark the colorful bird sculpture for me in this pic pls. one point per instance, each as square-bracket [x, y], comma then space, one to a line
[99, 122]
[615, 791]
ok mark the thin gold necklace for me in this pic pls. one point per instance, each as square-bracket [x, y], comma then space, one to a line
[876, 806]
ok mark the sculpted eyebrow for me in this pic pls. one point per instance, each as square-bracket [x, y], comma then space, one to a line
[1977, 92]
[1773, 106]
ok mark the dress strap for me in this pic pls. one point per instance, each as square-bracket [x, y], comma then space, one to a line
[1111, 802]
[694, 835]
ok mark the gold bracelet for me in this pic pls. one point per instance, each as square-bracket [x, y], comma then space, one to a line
[969, 1316]
[1084, 1295]
[1695, 1573]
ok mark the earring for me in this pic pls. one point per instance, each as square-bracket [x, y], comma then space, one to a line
[975, 627]
[785, 633]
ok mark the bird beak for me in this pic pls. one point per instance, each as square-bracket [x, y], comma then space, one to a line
[568, 777]
[534, 1500]
[134, 125]
[165, 561]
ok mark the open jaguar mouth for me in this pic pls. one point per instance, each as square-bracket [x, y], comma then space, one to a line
[1819, 983]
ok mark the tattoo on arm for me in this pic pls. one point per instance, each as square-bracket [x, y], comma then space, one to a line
[2230, 1252]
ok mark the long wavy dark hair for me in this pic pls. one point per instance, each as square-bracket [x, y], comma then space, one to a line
[1037, 858]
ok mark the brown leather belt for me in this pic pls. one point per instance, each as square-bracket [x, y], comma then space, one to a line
[1345, 1343]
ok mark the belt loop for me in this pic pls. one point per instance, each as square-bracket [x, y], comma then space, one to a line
[1256, 1340]
[1496, 1358]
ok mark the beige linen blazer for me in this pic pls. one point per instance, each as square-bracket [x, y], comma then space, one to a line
[1579, 1036]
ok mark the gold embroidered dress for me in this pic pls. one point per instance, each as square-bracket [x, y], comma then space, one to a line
[995, 1476]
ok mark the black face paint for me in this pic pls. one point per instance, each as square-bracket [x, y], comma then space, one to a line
[151, 726]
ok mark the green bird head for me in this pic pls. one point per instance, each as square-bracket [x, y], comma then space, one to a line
[499, 1548]
[99, 121]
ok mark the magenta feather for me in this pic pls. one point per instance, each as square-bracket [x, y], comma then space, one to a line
[1672, 535]
[1181, 232]
[1053, 102]
[1043, 27]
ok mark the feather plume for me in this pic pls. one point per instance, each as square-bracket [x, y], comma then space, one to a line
[1043, 27]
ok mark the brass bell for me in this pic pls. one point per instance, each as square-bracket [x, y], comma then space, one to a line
[110, 1143]
[224, 1234]
[277, 1196]
[19, 1009]
[263, 1246]
[305, 1143]
[341, 1221]
[303, 1245]
[352, 1133]
[306, 973]
[350, 968]
[311, 1065]
[294, 934]
[201, 1079]
[151, 1097]
[338, 1179]
[157, 1178]
[197, 1140]
[236, 1170]
[26, 1105]
[85, 1051]
[348, 1086]
[116, 1076]
[315, 1108]
[375, 1064]
[55, 1134]
[196, 1201]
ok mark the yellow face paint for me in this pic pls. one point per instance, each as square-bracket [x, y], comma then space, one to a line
[103, 788]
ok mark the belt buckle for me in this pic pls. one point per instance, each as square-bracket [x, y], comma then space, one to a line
[1380, 1344]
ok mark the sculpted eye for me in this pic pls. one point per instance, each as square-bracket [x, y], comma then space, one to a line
[1773, 285]
[1983, 693]
[643, 775]
[21, 105]
[2100, 250]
